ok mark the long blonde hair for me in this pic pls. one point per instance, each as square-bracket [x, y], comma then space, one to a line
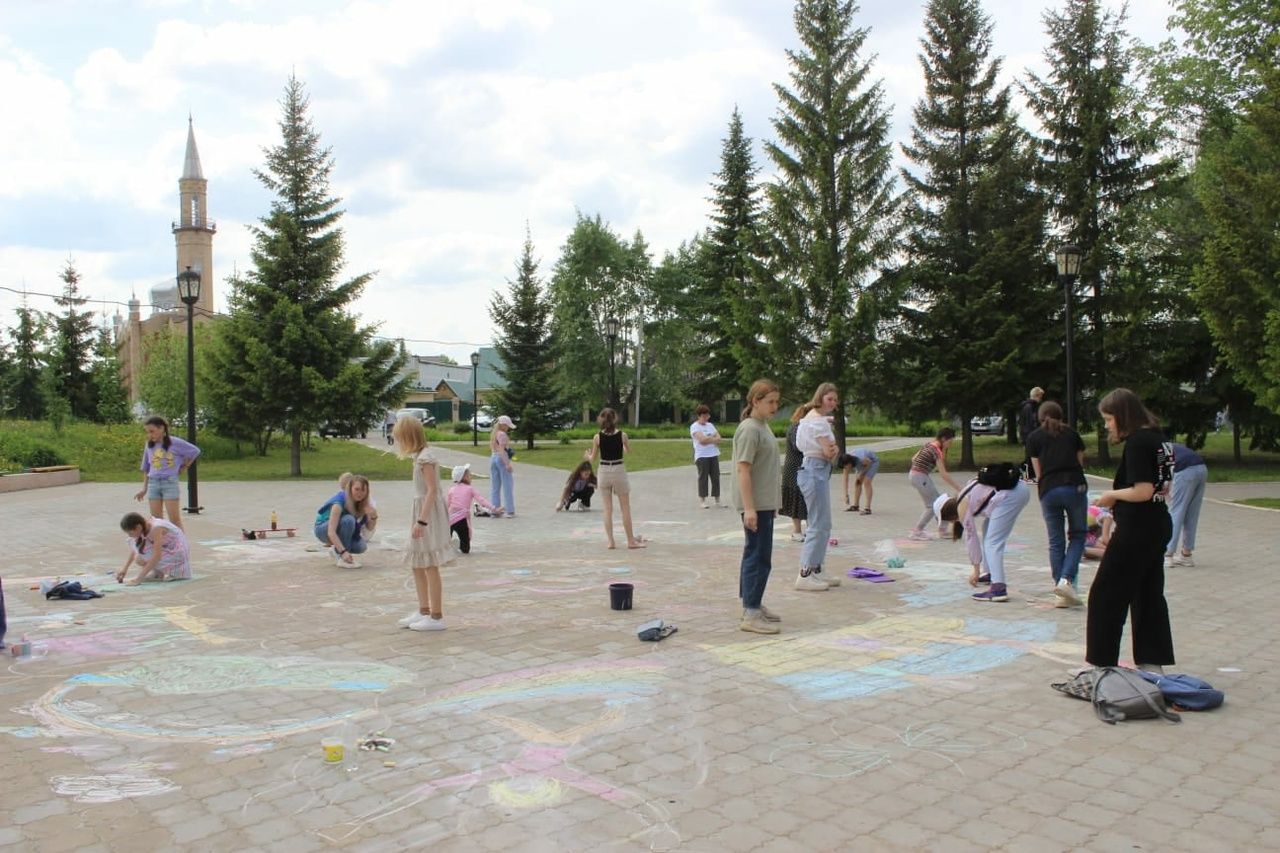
[361, 508]
[410, 437]
[823, 390]
[760, 389]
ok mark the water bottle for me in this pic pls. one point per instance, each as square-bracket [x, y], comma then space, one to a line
[275, 520]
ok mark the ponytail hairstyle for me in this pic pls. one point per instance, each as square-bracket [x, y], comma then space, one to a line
[759, 389]
[1129, 413]
[608, 420]
[1050, 416]
[157, 421]
[801, 410]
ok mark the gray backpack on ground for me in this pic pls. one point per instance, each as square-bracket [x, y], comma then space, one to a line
[1117, 693]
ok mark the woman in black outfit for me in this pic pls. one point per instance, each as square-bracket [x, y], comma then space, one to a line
[793, 505]
[1131, 576]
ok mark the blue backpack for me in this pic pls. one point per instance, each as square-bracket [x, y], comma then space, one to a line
[1186, 692]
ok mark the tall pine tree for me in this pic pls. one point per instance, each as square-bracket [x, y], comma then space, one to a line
[291, 356]
[1094, 162]
[24, 398]
[523, 342]
[976, 274]
[110, 396]
[832, 207]
[72, 350]
[729, 304]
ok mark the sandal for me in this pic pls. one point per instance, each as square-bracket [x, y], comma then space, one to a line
[866, 511]
[851, 508]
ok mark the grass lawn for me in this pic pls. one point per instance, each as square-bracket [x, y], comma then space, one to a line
[1265, 503]
[112, 454]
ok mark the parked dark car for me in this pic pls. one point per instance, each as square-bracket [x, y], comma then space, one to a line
[336, 430]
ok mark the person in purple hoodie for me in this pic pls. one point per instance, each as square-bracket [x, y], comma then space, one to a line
[163, 459]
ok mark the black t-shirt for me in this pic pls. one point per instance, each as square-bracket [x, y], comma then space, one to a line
[1148, 458]
[1059, 457]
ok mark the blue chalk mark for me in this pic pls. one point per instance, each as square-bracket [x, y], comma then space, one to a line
[1021, 631]
[93, 678]
[842, 684]
[359, 685]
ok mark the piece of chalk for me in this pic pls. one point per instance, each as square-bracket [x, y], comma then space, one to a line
[388, 764]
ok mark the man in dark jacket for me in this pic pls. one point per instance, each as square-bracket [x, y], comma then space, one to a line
[1028, 422]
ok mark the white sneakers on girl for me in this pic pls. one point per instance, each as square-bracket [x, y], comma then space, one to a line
[427, 623]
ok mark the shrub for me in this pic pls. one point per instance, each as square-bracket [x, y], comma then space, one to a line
[28, 452]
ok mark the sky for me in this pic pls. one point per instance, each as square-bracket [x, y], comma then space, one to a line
[454, 126]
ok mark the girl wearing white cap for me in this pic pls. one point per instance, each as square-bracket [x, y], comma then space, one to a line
[1001, 508]
[461, 496]
[501, 472]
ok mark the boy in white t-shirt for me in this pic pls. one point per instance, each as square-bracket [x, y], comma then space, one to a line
[706, 454]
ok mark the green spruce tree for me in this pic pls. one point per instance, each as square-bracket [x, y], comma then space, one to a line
[71, 350]
[109, 392]
[291, 356]
[523, 342]
[24, 396]
[832, 207]
[728, 307]
[976, 274]
[1094, 162]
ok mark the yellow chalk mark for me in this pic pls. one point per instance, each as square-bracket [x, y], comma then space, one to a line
[543, 792]
[193, 625]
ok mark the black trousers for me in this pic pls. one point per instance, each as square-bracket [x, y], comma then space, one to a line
[708, 469]
[464, 536]
[583, 495]
[1130, 581]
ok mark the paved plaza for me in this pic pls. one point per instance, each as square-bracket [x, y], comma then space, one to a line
[885, 716]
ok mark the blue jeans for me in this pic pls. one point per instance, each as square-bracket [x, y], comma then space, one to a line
[501, 484]
[757, 560]
[999, 526]
[346, 534]
[814, 480]
[1184, 506]
[1071, 502]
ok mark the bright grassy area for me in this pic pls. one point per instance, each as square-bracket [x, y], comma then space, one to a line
[1265, 503]
[112, 453]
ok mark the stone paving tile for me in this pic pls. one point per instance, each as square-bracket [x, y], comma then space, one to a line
[885, 717]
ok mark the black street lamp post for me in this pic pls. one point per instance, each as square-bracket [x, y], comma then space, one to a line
[611, 327]
[1068, 258]
[189, 292]
[475, 404]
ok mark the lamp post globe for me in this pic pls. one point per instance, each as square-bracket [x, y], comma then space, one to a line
[611, 327]
[189, 293]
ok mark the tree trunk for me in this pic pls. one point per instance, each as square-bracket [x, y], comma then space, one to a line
[966, 443]
[295, 452]
[1235, 441]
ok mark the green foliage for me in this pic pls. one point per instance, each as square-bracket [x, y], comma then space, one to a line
[1237, 283]
[975, 272]
[163, 379]
[109, 391]
[832, 209]
[28, 452]
[290, 357]
[23, 384]
[72, 349]
[522, 340]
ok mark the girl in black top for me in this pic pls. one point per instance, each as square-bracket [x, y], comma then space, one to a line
[611, 443]
[1057, 455]
[1131, 576]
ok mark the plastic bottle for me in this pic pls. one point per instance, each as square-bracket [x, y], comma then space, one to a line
[275, 520]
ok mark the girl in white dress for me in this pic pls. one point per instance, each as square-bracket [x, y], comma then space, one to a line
[429, 546]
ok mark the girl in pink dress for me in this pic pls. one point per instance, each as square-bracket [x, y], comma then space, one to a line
[159, 546]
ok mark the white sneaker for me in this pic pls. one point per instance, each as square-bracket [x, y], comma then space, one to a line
[919, 536]
[1184, 560]
[797, 537]
[410, 619]
[706, 503]
[827, 578]
[1066, 594]
[427, 623]
[1168, 561]
[810, 583]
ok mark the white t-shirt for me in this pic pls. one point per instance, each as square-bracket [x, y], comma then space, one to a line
[811, 429]
[703, 451]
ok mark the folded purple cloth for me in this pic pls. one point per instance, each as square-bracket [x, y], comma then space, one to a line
[871, 575]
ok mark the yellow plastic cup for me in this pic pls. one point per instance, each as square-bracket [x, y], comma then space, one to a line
[333, 751]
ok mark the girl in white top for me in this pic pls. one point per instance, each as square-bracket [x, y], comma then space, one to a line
[817, 442]
[706, 454]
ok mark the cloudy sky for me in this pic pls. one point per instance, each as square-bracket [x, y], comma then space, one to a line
[452, 124]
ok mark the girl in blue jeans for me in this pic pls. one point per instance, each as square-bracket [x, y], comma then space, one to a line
[1057, 455]
[817, 442]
